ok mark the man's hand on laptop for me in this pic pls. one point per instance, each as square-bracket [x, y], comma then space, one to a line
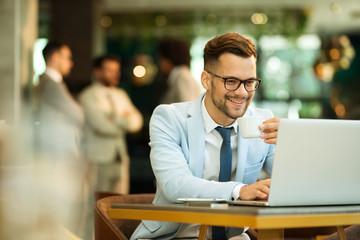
[269, 129]
[258, 190]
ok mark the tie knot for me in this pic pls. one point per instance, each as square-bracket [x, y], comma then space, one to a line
[225, 133]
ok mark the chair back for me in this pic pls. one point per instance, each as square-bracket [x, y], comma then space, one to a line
[103, 194]
[115, 229]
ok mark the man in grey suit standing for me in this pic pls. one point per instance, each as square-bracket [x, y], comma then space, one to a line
[110, 115]
[59, 115]
[60, 119]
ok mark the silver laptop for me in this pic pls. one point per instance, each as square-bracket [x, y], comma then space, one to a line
[317, 162]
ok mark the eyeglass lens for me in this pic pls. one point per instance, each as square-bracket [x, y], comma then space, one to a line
[233, 84]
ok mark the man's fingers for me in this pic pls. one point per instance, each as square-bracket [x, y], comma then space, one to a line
[268, 135]
[269, 130]
[261, 195]
[269, 138]
[269, 127]
[262, 192]
[265, 188]
[266, 182]
[270, 141]
[258, 190]
[272, 120]
[271, 124]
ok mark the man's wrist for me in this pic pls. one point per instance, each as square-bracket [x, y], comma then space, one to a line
[236, 191]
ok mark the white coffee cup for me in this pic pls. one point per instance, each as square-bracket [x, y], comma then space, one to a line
[249, 126]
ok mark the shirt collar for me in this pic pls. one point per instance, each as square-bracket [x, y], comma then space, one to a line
[54, 75]
[209, 123]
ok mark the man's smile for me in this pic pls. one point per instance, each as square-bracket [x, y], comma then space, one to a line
[237, 102]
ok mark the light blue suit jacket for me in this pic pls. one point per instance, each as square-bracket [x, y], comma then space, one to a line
[177, 141]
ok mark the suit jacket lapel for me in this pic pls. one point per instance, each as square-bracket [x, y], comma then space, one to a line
[196, 137]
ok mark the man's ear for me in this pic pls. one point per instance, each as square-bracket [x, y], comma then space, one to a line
[56, 55]
[205, 80]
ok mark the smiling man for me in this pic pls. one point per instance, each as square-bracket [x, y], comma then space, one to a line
[197, 150]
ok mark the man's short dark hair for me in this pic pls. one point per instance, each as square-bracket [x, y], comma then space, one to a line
[98, 62]
[50, 48]
[176, 50]
[231, 43]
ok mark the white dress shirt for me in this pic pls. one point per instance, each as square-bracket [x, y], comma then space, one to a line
[213, 142]
[54, 75]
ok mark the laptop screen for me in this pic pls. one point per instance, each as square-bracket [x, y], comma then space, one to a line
[317, 162]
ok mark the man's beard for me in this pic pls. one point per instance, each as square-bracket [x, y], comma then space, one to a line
[106, 82]
[221, 105]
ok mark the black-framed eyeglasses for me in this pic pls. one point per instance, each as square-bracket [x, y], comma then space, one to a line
[232, 83]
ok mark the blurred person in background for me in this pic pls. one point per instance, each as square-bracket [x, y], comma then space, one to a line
[109, 116]
[59, 121]
[174, 63]
[59, 115]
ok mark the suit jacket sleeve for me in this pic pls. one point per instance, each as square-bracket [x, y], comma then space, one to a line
[57, 95]
[96, 118]
[99, 120]
[134, 119]
[170, 159]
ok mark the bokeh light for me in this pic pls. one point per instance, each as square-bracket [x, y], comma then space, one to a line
[139, 71]
[259, 18]
[106, 21]
[160, 21]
